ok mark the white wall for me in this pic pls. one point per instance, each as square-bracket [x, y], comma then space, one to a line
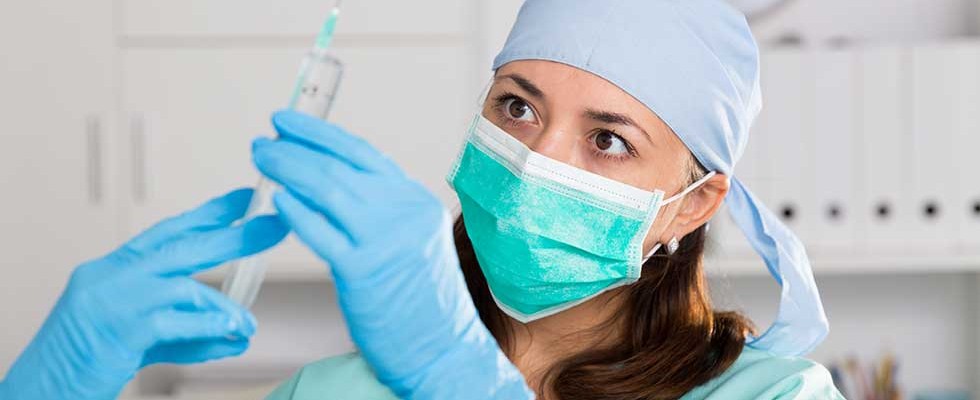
[890, 21]
[816, 21]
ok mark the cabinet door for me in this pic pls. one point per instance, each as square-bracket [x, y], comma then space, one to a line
[194, 112]
[55, 75]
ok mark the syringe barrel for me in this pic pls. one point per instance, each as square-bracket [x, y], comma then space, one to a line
[319, 78]
[314, 94]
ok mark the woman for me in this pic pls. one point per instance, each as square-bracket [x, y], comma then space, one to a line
[605, 144]
[595, 106]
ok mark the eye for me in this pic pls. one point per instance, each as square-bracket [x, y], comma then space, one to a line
[518, 109]
[611, 143]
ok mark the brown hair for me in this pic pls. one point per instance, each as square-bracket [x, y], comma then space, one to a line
[672, 340]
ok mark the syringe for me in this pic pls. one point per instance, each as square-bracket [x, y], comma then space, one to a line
[313, 94]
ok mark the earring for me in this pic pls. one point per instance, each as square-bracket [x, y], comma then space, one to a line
[672, 245]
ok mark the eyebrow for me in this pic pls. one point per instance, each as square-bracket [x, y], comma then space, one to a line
[525, 84]
[616, 118]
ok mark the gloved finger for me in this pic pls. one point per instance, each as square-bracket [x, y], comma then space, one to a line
[179, 293]
[194, 253]
[216, 213]
[326, 137]
[313, 228]
[195, 351]
[173, 326]
[206, 298]
[315, 176]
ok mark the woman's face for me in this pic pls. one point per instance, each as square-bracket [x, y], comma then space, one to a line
[583, 120]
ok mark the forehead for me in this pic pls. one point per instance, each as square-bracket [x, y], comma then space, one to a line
[568, 89]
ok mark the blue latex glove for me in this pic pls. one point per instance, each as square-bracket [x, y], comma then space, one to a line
[138, 306]
[389, 243]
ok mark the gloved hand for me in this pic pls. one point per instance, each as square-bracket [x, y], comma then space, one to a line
[138, 306]
[389, 244]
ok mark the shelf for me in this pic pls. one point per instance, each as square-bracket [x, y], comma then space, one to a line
[847, 265]
[733, 267]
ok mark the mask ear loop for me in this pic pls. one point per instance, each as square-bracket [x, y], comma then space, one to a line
[673, 198]
[689, 189]
[652, 251]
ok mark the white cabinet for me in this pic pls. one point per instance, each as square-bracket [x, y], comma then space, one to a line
[190, 116]
[193, 113]
[56, 71]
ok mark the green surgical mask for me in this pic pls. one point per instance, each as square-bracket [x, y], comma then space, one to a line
[548, 236]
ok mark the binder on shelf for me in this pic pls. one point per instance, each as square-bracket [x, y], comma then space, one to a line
[965, 207]
[789, 174]
[934, 84]
[884, 210]
[833, 135]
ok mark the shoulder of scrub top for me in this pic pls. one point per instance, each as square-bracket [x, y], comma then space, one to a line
[757, 374]
[345, 376]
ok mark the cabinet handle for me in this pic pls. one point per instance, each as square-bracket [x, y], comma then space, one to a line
[93, 137]
[137, 129]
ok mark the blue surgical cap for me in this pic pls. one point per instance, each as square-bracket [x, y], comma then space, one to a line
[695, 64]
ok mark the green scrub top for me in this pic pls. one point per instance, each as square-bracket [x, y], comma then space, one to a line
[755, 375]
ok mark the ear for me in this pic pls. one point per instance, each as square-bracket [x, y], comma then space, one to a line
[699, 206]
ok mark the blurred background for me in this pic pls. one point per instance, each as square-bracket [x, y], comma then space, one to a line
[116, 113]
